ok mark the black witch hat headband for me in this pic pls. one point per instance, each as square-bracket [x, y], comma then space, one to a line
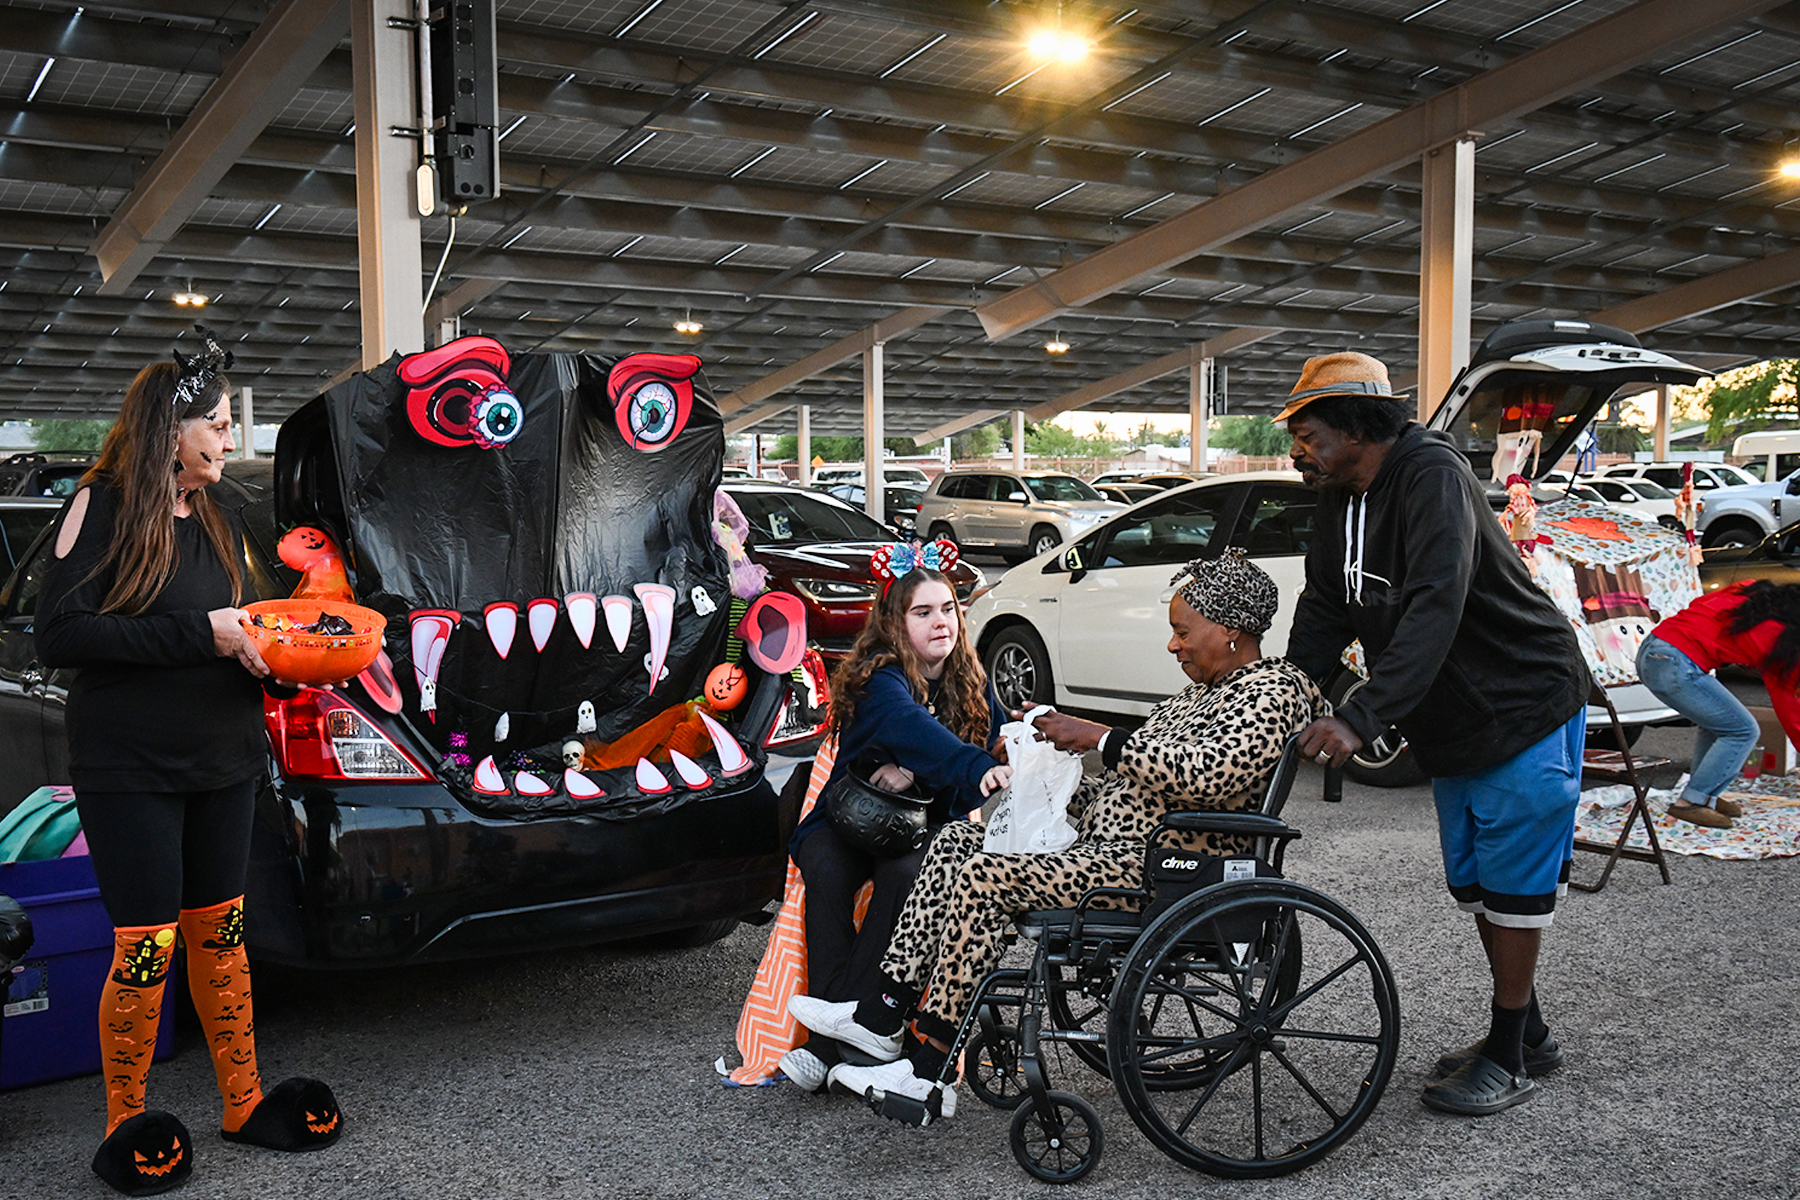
[195, 374]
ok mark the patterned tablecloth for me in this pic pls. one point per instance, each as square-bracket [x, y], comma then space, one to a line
[1769, 828]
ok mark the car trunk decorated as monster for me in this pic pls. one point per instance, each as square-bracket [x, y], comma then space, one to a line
[492, 506]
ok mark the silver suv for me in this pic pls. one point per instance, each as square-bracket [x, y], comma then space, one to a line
[1019, 514]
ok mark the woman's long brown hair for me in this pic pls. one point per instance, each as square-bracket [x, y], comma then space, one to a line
[138, 459]
[962, 703]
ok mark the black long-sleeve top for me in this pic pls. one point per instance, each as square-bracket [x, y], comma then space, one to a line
[153, 707]
[1466, 655]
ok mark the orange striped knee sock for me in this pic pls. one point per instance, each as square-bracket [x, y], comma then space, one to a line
[219, 981]
[130, 1007]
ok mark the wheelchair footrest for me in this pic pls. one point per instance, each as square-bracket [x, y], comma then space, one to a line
[908, 1111]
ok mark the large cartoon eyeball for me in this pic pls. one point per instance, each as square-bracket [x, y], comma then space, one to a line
[445, 386]
[498, 418]
[652, 395]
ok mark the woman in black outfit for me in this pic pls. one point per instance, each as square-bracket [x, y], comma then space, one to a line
[166, 744]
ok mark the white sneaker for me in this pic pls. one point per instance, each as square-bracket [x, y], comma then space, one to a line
[874, 1084]
[803, 1069]
[839, 1021]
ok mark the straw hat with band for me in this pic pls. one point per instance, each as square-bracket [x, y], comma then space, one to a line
[1346, 373]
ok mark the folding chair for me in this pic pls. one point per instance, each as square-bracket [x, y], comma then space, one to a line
[1620, 766]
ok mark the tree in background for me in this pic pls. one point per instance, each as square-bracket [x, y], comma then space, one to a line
[1760, 396]
[1056, 441]
[75, 437]
[1621, 438]
[832, 449]
[1253, 437]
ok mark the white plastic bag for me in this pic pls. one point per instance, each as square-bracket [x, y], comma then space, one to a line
[1032, 817]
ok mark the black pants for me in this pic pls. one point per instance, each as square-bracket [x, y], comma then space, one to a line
[156, 853]
[841, 962]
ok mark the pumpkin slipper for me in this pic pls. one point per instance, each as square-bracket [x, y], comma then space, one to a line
[146, 1154]
[300, 1114]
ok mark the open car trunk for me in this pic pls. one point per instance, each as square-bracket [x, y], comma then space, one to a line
[596, 478]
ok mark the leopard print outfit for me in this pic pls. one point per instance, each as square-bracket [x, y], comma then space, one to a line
[1207, 747]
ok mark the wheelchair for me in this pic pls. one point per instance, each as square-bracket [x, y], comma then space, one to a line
[1233, 1052]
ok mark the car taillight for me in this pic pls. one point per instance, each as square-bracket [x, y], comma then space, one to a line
[321, 735]
[806, 705]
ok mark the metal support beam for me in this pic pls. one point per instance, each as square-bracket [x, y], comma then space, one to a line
[804, 442]
[1532, 80]
[391, 263]
[247, 415]
[1018, 439]
[1446, 258]
[1704, 295]
[839, 351]
[1200, 384]
[747, 420]
[259, 82]
[874, 419]
[1660, 434]
[443, 316]
[1168, 364]
[949, 429]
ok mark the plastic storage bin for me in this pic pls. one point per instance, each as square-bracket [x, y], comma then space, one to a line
[53, 997]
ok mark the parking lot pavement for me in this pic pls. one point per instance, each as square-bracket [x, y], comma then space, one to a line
[588, 1073]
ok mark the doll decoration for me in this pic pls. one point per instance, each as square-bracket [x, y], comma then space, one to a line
[1519, 519]
[730, 531]
[1687, 512]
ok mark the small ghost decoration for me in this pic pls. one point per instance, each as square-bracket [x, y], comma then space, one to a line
[584, 718]
[571, 754]
[703, 603]
[502, 727]
[661, 674]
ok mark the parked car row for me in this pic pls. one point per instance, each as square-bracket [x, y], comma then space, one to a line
[1017, 514]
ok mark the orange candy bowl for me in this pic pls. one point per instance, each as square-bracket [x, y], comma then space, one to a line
[314, 658]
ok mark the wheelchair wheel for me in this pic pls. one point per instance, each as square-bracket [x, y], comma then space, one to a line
[1236, 1055]
[991, 1068]
[1061, 1146]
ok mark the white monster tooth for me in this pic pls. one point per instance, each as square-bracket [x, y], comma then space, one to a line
[502, 727]
[651, 781]
[689, 770]
[488, 780]
[580, 786]
[540, 618]
[583, 608]
[430, 634]
[527, 784]
[732, 759]
[502, 619]
[659, 614]
[618, 619]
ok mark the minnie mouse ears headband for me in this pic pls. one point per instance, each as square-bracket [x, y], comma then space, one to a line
[194, 375]
[891, 562]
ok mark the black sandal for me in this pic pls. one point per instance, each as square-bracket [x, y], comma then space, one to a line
[1479, 1088]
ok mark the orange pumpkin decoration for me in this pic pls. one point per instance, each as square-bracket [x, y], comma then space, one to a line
[314, 658]
[726, 686]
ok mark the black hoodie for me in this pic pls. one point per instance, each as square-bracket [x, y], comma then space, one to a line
[1466, 655]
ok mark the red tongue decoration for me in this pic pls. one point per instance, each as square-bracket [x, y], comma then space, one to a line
[774, 632]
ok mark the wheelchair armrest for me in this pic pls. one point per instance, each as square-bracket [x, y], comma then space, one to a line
[1082, 906]
[1236, 823]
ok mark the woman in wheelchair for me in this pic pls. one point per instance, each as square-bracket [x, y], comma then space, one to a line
[911, 709]
[1211, 746]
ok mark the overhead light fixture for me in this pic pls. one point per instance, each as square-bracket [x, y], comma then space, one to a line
[1057, 43]
[190, 298]
[1056, 345]
[1789, 168]
[688, 325]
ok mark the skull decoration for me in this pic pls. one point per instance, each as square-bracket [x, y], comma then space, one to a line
[571, 754]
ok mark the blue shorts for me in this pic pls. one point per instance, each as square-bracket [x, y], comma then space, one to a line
[1508, 832]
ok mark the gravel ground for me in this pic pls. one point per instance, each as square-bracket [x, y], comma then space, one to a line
[589, 1072]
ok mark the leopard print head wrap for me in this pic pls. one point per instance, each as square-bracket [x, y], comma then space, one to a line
[1230, 591]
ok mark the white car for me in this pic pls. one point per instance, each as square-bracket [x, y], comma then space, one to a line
[1707, 475]
[1649, 500]
[1015, 513]
[894, 476]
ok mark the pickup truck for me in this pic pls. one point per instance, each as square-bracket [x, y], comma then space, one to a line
[1745, 515]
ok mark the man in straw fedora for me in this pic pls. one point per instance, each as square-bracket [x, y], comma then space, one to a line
[1474, 665]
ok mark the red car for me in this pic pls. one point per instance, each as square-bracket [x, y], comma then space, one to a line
[818, 548]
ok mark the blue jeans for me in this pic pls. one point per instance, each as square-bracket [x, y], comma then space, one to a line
[1727, 731]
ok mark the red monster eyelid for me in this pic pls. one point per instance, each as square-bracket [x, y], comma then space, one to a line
[632, 372]
[417, 368]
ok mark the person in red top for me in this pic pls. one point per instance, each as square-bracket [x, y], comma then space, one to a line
[1755, 624]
